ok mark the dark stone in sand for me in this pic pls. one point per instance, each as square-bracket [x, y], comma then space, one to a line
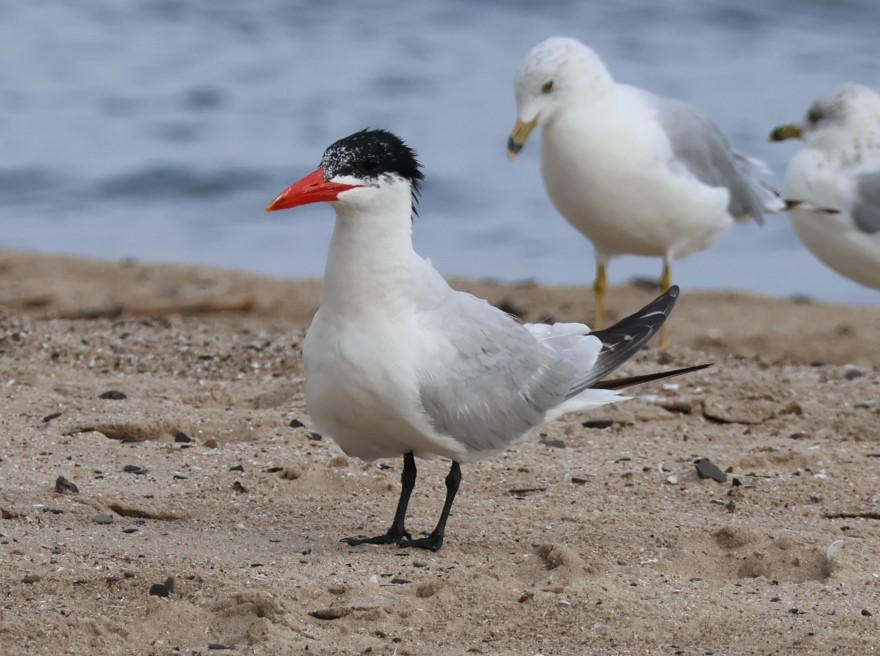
[63, 486]
[296, 423]
[598, 423]
[159, 590]
[706, 469]
[182, 438]
[113, 395]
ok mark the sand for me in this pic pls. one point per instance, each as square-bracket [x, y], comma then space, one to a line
[205, 514]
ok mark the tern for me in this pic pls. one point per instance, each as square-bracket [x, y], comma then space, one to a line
[634, 172]
[397, 363]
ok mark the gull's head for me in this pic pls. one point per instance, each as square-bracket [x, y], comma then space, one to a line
[556, 74]
[840, 117]
[364, 170]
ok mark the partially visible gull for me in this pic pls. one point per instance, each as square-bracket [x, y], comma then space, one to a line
[833, 185]
[634, 172]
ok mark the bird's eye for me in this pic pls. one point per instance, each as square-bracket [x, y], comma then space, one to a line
[548, 87]
[814, 116]
[369, 164]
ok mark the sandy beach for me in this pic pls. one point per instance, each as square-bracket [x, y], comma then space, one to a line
[162, 489]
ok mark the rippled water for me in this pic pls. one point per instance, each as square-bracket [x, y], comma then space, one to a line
[159, 129]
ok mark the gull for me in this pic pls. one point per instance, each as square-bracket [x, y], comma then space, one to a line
[634, 172]
[397, 363]
[832, 186]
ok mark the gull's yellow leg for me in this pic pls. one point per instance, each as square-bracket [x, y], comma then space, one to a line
[599, 288]
[665, 284]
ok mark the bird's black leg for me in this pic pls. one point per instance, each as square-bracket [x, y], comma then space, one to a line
[397, 532]
[435, 540]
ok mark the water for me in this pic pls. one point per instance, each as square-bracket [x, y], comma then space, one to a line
[159, 129]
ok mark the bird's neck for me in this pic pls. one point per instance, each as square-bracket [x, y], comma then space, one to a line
[371, 257]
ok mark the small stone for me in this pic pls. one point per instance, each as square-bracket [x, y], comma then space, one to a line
[578, 481]
[33, 578]
[130, 529]
[852, 374]
[182, 438]
[332, 613]
[63, 486]
[399, 581]
[50, 417]
[866, 613]
[216, 646]
[103, 519]
[238, 487]
[134, 469]
[160, 590]
[707, 469]
[239, 468]
[554, 444]
[316, 437]
[598, 423]
[113, 395]
[211, 443]
[296, 423]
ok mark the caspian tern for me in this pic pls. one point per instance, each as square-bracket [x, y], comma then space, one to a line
[634, 172]
[399, 363]
[833, 185]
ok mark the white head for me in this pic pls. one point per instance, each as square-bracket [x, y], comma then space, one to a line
[842, 117]
[555, 75]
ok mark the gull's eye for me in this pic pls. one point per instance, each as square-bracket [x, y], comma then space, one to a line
[814, 116]
[548, 87]
[370, 164]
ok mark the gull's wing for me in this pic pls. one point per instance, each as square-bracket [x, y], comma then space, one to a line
[495, 380]
[866, 208]
[701, 148]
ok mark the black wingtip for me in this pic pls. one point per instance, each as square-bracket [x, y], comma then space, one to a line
[624, 339]
[620, 383]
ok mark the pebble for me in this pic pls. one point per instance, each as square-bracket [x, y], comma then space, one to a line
[130, 529]
[852, 374]
[63, 486]
[554, 444]
[598, 423]
[218, 646]
[332, 613]
[866, 612]
[50, 417]
[113, 395]
[316, 437]
[707, 469]
[103, 519]
[160, 590]
[33, 578]
[182, 438]
[134, 469]
[296, 423]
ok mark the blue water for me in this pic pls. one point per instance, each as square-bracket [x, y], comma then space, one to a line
[159, 129]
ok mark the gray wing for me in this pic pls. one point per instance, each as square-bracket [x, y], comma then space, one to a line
[866, 209]
[501, 383]
[704, 151]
